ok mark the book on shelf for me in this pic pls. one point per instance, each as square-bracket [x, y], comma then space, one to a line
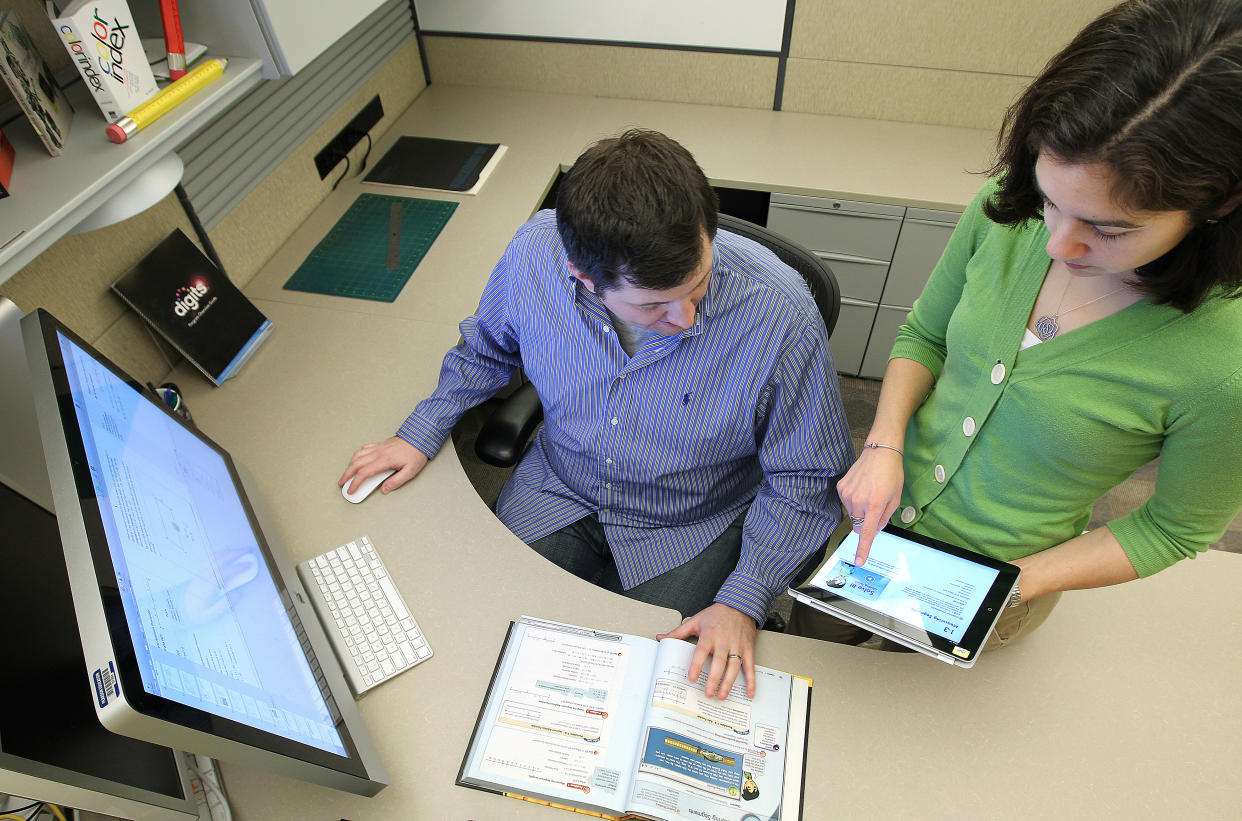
[192, 304]
[609, 725]
[7, 154]
[27, 75]
[432, 164]
[105, 47]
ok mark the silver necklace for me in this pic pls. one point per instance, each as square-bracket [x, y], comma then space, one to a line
[1046, 327]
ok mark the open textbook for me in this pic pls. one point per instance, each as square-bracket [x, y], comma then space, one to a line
[609, 724]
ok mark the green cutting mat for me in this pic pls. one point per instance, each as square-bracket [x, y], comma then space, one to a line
[373, 249]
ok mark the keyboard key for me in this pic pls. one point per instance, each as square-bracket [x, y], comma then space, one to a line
[394, 598]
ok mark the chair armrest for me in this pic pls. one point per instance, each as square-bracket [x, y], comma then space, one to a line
[503, 437]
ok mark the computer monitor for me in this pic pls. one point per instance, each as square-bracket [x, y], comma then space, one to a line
[196, 631]
[52, 748]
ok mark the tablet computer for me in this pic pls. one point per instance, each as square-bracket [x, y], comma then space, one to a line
[923, 593]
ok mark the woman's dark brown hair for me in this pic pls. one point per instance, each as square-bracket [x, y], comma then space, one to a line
[1152, 89]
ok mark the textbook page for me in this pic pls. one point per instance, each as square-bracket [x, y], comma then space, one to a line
[563, 718]
[700, 757]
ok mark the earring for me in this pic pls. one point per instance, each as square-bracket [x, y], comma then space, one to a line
[1211, 222]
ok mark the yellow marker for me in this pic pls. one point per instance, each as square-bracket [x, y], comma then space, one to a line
[171, 95]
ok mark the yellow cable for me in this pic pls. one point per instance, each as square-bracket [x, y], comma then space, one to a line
[60, 816]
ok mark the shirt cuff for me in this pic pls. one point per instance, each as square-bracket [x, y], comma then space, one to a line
[745, 594]
[1148, 547]
[418, 432]
[926, 354]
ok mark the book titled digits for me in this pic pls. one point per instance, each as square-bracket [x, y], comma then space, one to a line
[608, 724]
[190, 302]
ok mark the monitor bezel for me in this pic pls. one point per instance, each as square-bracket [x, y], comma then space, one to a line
[137, 712]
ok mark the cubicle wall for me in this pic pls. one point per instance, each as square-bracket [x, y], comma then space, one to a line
[925, 61]
[721, 25]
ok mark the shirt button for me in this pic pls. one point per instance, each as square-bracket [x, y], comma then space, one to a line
[908, 513]
[607, 330]
[607, 485]
[607, 461]
[613, 420]
[998, 373]
[939, 474]
[968, 426]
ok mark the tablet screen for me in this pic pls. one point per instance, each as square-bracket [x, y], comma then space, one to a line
[920, 588]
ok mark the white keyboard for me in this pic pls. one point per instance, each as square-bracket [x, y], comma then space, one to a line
[371, 629]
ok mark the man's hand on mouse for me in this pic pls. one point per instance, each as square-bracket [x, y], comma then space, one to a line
[391, 454]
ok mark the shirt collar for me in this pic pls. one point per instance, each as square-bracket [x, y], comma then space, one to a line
[595, 305]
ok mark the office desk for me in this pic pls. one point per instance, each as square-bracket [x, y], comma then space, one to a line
[1121, 706]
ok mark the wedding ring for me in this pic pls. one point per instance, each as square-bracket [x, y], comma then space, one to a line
[857, 520]
[735, 656]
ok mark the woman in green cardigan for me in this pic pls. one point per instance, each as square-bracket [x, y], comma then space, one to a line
[1083, 321]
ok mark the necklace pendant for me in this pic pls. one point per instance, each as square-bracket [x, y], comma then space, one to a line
[1046, 327]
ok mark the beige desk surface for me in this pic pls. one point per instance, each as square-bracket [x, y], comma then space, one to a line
[1122, 706]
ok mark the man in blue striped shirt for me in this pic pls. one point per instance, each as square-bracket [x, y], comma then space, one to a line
[693, 431]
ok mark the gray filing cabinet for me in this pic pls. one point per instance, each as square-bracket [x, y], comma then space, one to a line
[924, 234]
[881, 256]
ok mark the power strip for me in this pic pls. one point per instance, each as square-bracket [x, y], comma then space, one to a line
[348, 137]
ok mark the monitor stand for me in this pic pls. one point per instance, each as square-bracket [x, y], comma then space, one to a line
[22, 466]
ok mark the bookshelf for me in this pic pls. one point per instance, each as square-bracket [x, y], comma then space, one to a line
[53, 194]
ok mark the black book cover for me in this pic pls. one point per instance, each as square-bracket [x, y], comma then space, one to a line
[443, 165]
[180, 293]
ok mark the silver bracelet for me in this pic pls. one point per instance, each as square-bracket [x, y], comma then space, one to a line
[878, 445]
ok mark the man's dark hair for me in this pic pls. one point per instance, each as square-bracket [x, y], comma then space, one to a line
[1152, 89]
[634, 208]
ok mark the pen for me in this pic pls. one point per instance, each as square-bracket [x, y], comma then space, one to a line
[174, 43]
[172, 95]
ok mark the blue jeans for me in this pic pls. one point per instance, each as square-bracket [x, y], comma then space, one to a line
[582, 549]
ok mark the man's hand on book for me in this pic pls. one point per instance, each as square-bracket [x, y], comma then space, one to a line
[391, 454]
[728, 636]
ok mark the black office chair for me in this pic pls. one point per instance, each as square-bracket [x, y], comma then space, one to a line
[505, 434]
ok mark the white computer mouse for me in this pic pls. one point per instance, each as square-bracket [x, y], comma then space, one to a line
[365, 487]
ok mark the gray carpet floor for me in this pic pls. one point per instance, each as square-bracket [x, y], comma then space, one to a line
[859, 397]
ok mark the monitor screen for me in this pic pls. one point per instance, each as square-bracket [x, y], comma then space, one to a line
[202, 626]
[209, 630]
